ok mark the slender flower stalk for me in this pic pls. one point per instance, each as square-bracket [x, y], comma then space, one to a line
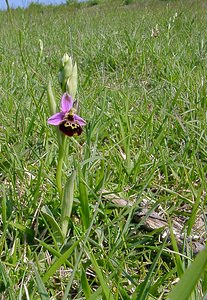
[60, 166]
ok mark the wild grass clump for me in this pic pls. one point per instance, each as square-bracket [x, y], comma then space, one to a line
[127, 219]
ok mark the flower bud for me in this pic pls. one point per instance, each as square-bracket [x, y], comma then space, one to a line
[68, 75]
[72, 82]
[51, 98]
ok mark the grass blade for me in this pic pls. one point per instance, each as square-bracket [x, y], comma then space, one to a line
[40, 286]
[188, 281]
[53, 252]
[7, 281]
[145, 286]
[83, 199]
[67, 203]
[54, 225]
[178, 261]
[105, 289]
[59, 262]
[85, 286]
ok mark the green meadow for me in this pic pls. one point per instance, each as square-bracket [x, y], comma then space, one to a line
[128, 220]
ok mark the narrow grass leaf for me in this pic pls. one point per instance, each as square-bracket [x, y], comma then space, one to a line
[204, 283]
[85, 285]
[178, 260]
[67, 203]
[106, 291]
[40, 286]
[59, 262]
[52, 222]
[54, 252]
[7, 282]
[192, 218]
[188, 281]
[3, 210]
[145, 286]
[26, 292]
[84, 205]
[21, 227]
[20, 296]
[53, 108]
[97, 295]
[82, 249]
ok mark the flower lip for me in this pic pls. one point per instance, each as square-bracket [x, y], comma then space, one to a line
[70, 129]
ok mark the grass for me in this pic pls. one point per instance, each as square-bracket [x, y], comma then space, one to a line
[144, 99]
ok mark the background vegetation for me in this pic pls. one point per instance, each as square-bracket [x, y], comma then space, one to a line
[142, 90]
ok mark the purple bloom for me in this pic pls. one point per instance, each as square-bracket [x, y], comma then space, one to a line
[69, 123]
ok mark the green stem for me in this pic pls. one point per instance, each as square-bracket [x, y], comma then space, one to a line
[60, 166]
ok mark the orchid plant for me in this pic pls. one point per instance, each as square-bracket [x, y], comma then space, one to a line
[70, 124]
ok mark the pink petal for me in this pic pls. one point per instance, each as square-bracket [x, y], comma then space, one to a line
[56, 119]
[66, 103]
[81, 121]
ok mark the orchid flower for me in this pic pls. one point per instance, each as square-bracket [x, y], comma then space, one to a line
[69, 123]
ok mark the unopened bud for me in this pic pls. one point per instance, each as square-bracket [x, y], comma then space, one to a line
[66, 69]
[72, 82]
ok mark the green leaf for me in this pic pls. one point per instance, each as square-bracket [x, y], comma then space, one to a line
[178, 260]
[85, 285]
[83, 192]
[7, 282]
[3, 210]
[97, 295]
[40, 286]
[59, 262]
[145, 286]
[53, 251]
[67, 203]
[105, 289]
[193, 215]
[53, 108]
[52, 222]
[188, 281]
